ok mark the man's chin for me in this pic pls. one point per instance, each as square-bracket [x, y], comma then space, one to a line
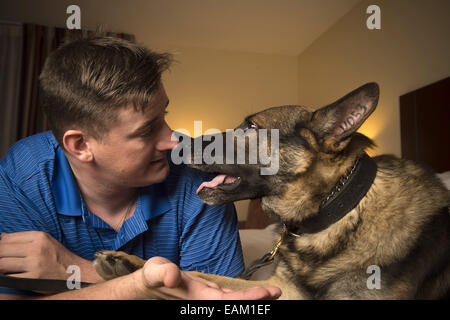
[158, 175]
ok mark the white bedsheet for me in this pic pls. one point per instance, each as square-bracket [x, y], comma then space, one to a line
[445, 177]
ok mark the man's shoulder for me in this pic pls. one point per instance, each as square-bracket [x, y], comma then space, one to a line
[25, 157]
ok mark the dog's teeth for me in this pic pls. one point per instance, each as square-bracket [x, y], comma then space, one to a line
[229, 179]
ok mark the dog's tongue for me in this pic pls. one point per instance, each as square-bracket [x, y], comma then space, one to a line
[219, 179]
[213, 183]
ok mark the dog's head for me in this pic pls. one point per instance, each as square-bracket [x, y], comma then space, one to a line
[303, 143]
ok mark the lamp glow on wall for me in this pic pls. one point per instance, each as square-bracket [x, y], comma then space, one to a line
[194, 126]
[372, 129]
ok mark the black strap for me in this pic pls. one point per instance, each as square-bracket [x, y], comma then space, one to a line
[46, 285]
[343, 201]
[255, 265]
[264, 260]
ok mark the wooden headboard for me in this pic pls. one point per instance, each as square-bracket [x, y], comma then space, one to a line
[425, 125]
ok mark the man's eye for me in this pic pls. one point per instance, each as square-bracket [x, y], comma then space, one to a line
[147, 134]
[150, 131]
[155, 127]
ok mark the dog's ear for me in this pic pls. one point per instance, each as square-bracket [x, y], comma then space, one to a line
[335, 123]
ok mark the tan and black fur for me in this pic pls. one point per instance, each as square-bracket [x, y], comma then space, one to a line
[401, 225]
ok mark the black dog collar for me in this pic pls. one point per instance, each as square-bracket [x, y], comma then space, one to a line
[348, 192]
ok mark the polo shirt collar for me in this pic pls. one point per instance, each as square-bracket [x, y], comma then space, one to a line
[68, 201]
[154, 200]
[67, 196]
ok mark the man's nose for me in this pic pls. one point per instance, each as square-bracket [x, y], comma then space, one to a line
[168, 140]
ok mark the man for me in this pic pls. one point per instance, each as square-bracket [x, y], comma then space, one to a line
[100, 180]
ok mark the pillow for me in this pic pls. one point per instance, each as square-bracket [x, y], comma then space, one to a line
[445, 178]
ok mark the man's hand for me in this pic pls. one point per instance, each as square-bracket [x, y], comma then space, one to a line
[162, 279]
[36, 254]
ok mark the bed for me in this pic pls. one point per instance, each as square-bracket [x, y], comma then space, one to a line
[425, 137]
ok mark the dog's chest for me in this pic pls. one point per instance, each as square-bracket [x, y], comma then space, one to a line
[306, 260]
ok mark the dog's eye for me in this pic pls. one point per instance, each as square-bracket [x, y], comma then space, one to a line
[252, 125]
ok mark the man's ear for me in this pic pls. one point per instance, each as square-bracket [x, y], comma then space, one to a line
[75, 143]
[335, 123]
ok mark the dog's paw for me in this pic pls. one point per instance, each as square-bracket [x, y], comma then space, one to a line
[112, 264]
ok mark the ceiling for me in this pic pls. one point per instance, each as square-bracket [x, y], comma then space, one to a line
[264, 26]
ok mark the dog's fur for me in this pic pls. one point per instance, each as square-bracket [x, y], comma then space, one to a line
[402, 224]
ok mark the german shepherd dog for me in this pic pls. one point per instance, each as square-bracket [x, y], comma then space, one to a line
[342, 215]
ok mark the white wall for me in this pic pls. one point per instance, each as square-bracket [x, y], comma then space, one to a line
[411, 50]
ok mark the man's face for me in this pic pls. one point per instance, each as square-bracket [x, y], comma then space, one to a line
[133, 152]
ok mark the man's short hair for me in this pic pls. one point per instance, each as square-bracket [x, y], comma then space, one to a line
[86, 81]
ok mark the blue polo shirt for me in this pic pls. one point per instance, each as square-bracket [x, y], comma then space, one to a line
[38, 192]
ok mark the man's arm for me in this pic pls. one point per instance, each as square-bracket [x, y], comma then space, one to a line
[36, 254]
[31, 254]
[162, 279]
